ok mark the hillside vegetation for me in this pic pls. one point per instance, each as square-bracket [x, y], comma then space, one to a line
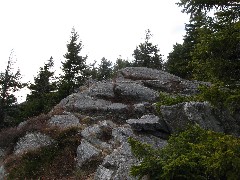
[144, 118]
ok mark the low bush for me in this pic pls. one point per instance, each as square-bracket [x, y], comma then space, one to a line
[192, 154]
[169, 100]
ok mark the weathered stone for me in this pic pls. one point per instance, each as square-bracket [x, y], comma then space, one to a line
[2, 169]
[117, 107]
[87, 103]
[64, 121]
[86, 152]
[143, 73]
[90, 131]
[180, 115]
[142, 107]
[119, 161]
[97, 129]
[90, 104]
[148, 123]
[102, 90]
[99, 134]
[103, 173]
[32, 141]
[2, 173]
[134, 92]
[161, 80]
[2, 153]
[121, 134]
[22, 124]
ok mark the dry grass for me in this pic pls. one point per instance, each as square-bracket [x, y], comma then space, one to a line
[56, 161]
[57, 110]
[9, 136]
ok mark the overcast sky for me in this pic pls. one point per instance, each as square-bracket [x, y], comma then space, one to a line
[39, 29]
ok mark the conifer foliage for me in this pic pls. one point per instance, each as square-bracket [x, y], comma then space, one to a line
[42, 90]
[211, 48]
[195, 153]
[74, 67]
[147, 55]
[9, 83]
[105, 69]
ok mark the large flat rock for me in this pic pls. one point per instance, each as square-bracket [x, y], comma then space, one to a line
[151, 124]
[64, 121]
[135, 92]
[160, 80]
[32, 141]
[179, 116]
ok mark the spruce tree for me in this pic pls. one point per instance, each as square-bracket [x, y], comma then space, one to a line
[74, 67]
[9, 83]
[41, 98]
[120, 64]
[105, 70]
[212, 40]
[147, 55]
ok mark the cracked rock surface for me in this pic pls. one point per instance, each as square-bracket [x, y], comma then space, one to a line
[106, 114]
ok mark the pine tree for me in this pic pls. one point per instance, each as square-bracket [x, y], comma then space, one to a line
[74, 68]
[93, 70]
[41, 98]
[120, 64]
[213, 39]
[147, 55]
[105, 70]
[9, 83]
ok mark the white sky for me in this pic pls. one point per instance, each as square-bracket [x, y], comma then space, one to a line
[38, 29]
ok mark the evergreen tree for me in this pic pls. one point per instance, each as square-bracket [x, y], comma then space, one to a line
[74, 68]
[9, 83]
[93, 71]
[120, 64]
[179, 61]
[105, 70]
[194, 153]
[41, 98]
[215, 55]
[147, 55]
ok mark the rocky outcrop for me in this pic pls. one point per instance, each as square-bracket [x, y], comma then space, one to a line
[108, 113]
[117, 164]
[179, 116]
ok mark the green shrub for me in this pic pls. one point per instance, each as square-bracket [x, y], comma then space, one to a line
[214, 94]
[192, 154]
[169, 100]
[233, 102]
